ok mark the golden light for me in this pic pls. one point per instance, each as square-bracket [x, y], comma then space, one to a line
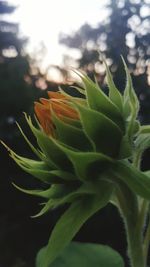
[42, 21]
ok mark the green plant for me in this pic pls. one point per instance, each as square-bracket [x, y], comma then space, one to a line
[89, 153]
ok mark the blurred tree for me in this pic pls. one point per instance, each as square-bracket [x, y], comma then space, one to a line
[125, 32]
[16, 89]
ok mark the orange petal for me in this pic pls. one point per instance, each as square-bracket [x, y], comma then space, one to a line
[62, 109]
[45, 101]
[44, 117]
[58, 103]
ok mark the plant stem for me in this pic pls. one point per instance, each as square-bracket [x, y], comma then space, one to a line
[137, 159]
[146, 241]
[134, 221]
[135, 247]
[134, 211]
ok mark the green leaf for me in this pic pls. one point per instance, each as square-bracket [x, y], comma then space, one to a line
[87, 165]
[72, 220]
[98, 101]
[114, 93]
[71, 135]
[104, 134]
[136, 180]
[85, 255]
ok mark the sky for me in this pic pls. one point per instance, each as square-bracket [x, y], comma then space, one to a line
[42, 21]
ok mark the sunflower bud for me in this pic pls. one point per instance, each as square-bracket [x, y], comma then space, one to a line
[85, 146]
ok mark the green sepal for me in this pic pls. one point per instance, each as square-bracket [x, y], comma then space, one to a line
[129, 92]
[136, 128]
[72, 220]
[54, 191]
[125, 148]
[69, 197]
[35, 151]
[74, 123]
[100, 102]
[30, 163]
[147, 173]
[131, 104]
[104, 133]
[41, 170]
[43, 175]
[79, 89]
[71, 135]
[67, 176]
[136, 180]
[38, 169]
[142, 142]
[34, 192]
[42, 153]
[114, 93]
[87, 165]
[52, 152]
[145, 129]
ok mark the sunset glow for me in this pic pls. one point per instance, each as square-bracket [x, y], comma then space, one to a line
[42, 22]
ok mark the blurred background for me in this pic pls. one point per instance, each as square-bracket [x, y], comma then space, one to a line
[39, 42]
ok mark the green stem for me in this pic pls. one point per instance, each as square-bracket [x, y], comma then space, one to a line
[137, 159]
[143, 212]
[136, 251]
[128, 206]
[146, 241]
[134, 211]
[135, 247]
